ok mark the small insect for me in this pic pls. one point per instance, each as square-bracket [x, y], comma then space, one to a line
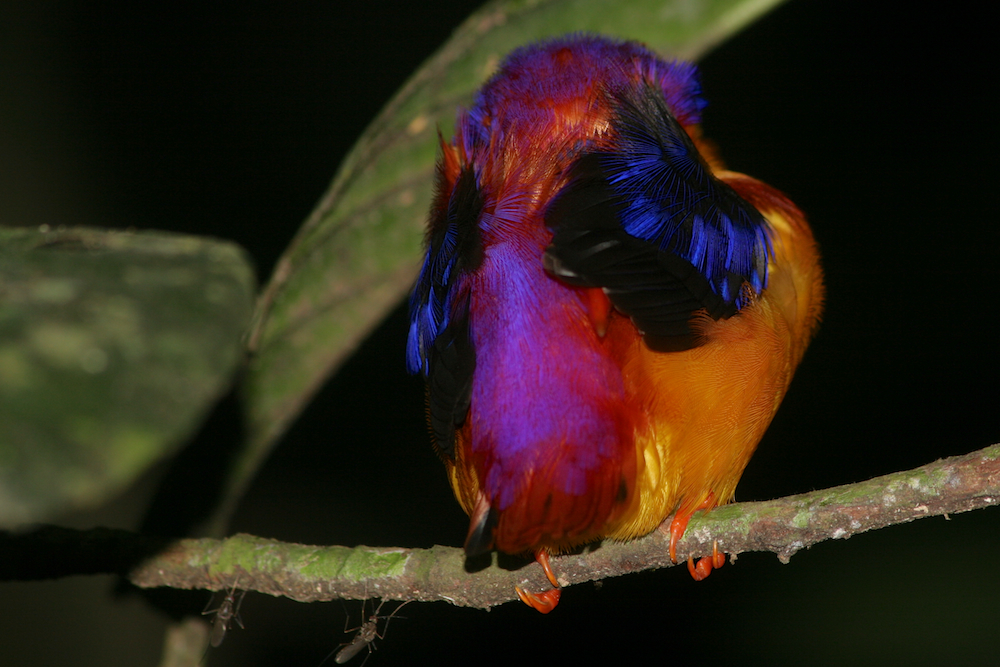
[225, 614]
[366, 635]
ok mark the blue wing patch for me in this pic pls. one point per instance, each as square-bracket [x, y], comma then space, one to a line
[438, 344]
[648, 222]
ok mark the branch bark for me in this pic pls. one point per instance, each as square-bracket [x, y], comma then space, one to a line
[313, 573]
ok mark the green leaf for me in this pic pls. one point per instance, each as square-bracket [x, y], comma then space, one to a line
[112, 347]
[358, 253]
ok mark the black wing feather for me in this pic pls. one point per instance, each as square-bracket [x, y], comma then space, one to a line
[683, 212]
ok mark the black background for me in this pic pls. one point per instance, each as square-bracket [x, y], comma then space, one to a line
[879, 123]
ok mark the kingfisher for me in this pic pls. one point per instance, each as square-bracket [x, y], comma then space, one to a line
[606, 317]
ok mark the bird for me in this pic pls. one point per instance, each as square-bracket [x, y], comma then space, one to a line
[606, 317]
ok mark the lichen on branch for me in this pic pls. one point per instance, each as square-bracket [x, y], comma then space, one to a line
[783, 526]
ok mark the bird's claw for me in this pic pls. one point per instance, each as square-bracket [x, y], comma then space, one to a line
[705, 565]
[543, 602]
[547, 601]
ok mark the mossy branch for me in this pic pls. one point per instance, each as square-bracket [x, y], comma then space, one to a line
[313, 573]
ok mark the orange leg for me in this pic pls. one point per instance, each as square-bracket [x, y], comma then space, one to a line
[677, 528]
[680, 522]
[546, 601]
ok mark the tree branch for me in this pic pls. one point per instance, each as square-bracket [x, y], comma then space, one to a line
[312, 573]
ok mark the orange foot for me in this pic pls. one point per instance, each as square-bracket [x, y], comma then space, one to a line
[546, 601]
[677, 528]
[707, 564]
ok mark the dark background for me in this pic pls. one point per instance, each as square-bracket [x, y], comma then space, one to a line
[880, 124]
